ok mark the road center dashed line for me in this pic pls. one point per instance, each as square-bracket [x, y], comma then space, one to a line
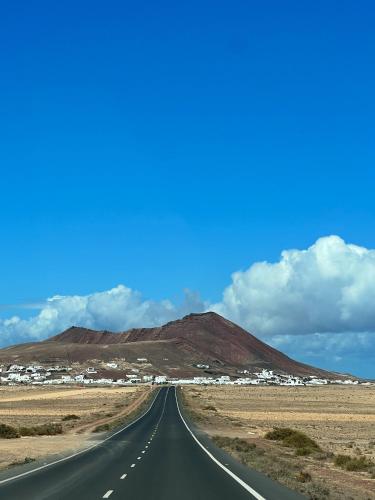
[108, 494]
[123, 476]
[132, 465]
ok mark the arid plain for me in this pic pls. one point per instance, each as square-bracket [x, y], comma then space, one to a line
[75, 412]
[340, 420]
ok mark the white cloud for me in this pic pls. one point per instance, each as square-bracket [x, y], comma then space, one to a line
[330, 287]
[117, 309]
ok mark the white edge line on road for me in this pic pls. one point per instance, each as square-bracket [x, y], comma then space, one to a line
[3, 481]
[229, 472]
[108, 494]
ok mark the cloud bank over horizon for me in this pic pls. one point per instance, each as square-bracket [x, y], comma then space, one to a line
[328, 288]
[117, 309]
[325, 294]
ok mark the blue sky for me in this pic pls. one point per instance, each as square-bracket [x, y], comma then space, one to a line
[164, 145]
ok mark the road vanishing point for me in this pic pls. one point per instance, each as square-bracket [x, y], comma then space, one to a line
[159, 456]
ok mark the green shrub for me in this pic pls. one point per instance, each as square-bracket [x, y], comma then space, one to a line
[293, 439]
[70, 417]
[102, 428]
[324, 455]
[342, 460]
[279, 433]
[317, 491]
[26, 460]
[242, 445]
[303, 452]
[359, 464]
[41, 430]
[235, 444]
[303, 477]
[8, 432]
[353, 463]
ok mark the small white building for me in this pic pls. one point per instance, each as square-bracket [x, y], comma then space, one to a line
[16, 368]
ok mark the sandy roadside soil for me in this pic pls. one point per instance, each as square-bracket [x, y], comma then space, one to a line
[20, 406]
[340, 419]
[15, 451]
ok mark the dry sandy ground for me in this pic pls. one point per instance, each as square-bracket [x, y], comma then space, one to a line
[341, 419]
[32, 405]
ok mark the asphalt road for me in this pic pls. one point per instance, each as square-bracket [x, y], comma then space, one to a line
[158, 457]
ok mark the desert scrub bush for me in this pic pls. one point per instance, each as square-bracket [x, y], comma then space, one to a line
[291, 438]
[303, 477]
[270, 462]
[26, 460]
[102, 428]
[8, 432]
[317, 491]
[324, 455]
[359, 464]
[302, 452]
[41, 430]
[70, 417]
[354, 463]
[235, 444]
[341, 460]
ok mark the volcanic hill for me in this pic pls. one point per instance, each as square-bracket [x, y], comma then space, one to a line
[172, 349]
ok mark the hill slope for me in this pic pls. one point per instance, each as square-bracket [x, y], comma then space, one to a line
[172, 348]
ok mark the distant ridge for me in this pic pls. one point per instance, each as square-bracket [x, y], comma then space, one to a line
[173, 348]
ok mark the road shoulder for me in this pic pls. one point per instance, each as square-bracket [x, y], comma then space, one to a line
[265, 486]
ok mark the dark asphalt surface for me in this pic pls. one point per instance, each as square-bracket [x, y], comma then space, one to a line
[155, 458]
